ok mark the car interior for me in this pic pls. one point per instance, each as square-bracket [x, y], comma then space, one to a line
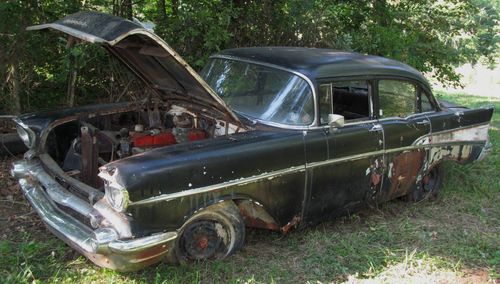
[346, 98]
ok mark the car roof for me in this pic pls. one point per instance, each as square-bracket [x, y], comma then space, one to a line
[317, 63]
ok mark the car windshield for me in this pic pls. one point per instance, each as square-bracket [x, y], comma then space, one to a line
[260, 92]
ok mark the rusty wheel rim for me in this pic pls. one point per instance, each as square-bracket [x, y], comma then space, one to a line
[201, 240]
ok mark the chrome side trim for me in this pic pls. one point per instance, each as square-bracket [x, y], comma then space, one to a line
[450, 131]
[294, 169]
[239, 182]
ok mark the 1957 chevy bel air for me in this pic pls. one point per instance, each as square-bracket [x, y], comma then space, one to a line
[272, 137]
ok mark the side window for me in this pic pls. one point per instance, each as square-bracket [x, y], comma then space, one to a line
[426, 105]
[347, 98]
[396, 98]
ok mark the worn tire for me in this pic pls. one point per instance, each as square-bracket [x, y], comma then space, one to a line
[429, 186]
[213, 233]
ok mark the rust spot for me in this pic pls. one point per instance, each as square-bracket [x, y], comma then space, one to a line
[152, 255]
[203, 242]
[404, 171]
[376, 178]
[256, 216]
[90, 155]
[292, 224]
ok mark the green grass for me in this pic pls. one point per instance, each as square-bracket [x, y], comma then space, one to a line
[453, 238]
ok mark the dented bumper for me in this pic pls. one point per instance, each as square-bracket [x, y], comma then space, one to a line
[102, 245]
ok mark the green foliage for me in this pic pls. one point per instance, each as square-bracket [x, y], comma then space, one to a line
[432, 36]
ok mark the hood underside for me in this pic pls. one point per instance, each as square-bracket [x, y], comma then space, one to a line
[147, 55]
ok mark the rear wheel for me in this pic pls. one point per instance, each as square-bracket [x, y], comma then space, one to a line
[214, 233]
[429, 186]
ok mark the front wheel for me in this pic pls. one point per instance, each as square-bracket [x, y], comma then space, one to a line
[429, 185]
[214, 233]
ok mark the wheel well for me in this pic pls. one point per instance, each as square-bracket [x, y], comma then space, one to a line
[253, 213]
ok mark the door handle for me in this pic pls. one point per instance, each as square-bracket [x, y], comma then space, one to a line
[423, 122]
[376, 127]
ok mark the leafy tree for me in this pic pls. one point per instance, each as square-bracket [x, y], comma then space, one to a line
[41, 70]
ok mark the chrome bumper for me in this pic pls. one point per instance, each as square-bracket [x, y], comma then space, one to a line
[103, 246]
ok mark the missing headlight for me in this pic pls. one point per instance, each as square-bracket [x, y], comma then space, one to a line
[116, 197]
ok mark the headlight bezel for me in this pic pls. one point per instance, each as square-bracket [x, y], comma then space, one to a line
[116, 196]
[25, 133]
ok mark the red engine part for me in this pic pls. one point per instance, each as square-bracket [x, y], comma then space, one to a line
[148, 140]
[196, 134]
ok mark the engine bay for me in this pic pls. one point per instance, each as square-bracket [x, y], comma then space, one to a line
[88, 142]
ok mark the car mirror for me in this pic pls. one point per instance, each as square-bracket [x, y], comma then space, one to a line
[335, 120]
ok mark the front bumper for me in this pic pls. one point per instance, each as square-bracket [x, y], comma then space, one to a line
[103, 246]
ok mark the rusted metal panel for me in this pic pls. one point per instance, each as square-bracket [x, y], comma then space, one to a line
[256, 216]
[401, 174]
[290, 225]
[90, 155]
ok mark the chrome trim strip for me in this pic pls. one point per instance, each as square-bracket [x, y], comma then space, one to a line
[241, 181]
[450, 131]
[294, 169]
[308, 81]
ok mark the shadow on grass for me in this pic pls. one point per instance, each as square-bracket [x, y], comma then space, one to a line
[458, 232]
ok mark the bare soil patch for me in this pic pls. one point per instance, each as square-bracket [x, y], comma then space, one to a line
[16, 215]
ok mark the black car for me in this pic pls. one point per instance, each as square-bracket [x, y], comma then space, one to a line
[265, 137]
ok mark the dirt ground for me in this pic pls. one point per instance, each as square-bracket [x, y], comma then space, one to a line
[16, 215]
[6, 126]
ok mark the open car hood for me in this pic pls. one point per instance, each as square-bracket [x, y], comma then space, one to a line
[147, 55]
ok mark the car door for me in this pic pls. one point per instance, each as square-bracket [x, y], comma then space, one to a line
[404, 125]
[339, 161]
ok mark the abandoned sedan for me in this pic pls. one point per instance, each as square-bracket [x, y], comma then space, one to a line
[274, 138]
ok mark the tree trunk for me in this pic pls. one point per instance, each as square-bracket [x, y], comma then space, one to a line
[162, 13]
[127, 9]
[161, 18]
[123, 8]
[175, 8]
[15, 83]
[72, 73]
